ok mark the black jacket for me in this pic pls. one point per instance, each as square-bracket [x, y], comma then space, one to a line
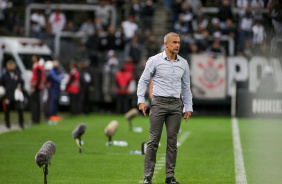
[11, 81]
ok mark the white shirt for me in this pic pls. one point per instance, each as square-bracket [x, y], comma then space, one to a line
[258, 34]
[39, 22]
[129, 29]
[57, 21]
[246, 24]
[103, 12]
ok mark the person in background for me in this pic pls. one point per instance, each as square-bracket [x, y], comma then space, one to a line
[55, 77]
[72, 88]
[123, 79]
[85, 80]
[11, 80]
[216, 49]
[37, 85]
[38, 24]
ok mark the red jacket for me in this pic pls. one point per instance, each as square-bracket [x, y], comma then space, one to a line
[34, 78]
[123, 79]
[74, 82]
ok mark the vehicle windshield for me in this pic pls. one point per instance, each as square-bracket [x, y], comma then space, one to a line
[26, 58]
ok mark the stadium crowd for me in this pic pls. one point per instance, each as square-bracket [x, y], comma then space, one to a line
[120, 51]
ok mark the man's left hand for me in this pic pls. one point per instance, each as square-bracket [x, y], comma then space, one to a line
[187, 115]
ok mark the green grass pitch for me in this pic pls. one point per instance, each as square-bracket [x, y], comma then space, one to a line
[206, 156]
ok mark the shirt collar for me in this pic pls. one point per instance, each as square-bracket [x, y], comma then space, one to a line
[166, 58]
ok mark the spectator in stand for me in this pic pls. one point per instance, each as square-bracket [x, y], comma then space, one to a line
[135, 10]
[103, 12]
[110, 70]
[180, 26]
[230, 29]
[200, 18]
[257, 6]
[152, 46]
[195, 5]
[38, 24]
[54, 78]
[99, 26]
[88, 29]
[93, 48]
[12, 82]
[176, 9]
[37, 85]
[57, 20]
[187, 15]
[275, 8]
[129, 28]
[135, 50]
[123, 78]
[258, 35]
[224, 13]
[242, 5]
[3, 6]
[147, 14]
[245, 31]
[215, 26]
[72, 88]
[248, 49]
[216, 49]
[202, 38]
[113, 40]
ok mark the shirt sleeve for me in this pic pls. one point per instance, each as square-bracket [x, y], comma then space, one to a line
[54, 77]
[145, 80]
[186, 91]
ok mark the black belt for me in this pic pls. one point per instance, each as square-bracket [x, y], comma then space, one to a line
[165, 97]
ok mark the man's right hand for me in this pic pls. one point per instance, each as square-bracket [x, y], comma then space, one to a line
[143, 108]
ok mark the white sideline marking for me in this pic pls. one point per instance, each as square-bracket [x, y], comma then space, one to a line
[183, 138]
[240, 172]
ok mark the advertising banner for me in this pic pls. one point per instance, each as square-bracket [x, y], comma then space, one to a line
[262, 105]
[208, 77]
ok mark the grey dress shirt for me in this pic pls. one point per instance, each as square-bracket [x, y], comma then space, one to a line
[169, 79]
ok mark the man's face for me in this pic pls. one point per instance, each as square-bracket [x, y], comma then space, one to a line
[10, 67]
[173, 44]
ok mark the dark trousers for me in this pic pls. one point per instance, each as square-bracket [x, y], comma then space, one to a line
[35, 106]
[122, 103]
[18, 105]
[54, 97]
[74, 104]
[168, 111]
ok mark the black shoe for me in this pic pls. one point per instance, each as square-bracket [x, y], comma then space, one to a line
[147, 180]
[171, 180]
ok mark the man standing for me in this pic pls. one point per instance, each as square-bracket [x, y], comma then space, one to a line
[171, 90]
[37, 85]
[55, 77]
[73, 89]
[12, 81]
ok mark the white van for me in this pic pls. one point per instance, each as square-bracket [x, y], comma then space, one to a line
[21, 50]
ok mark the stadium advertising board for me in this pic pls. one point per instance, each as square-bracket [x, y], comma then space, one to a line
[263, 105]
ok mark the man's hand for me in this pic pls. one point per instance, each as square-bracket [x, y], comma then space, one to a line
[32, 89]
[187, 115]
[143, 108]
